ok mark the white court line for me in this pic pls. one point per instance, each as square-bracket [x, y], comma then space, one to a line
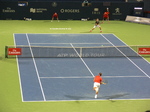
[69, 43]
[91, 77]
[19, 73]
[127, 57]
[36, 69]
[91, 100]
[66, 77]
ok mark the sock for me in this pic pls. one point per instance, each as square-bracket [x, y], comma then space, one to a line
[96, 96]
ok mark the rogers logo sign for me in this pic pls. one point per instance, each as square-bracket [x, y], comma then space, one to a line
[70, 11]
[145, 51]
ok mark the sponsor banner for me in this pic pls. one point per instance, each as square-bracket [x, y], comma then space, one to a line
[37, 10]
[14, 51]
[54, 4]
[136, 19]
[144, 51]
[70, 10]
[8, 10]
[96, 11]
[117, 12]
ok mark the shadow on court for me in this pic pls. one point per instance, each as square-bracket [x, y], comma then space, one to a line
[119, 95]
[111, 97]
[78, 97]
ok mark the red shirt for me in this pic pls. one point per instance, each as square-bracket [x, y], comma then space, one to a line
[55, 15]
[98, 79]
[106, 14]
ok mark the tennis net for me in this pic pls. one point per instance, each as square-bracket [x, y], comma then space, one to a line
[71, 52]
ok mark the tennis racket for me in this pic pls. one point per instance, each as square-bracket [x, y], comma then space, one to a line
[105, 82]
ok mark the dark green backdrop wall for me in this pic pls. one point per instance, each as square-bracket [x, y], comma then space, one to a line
[66, 10]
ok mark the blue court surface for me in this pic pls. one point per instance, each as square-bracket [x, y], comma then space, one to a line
[71, 79]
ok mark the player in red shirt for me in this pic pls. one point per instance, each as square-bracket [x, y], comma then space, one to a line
[106, 15]
[55, 15]
[97, 82]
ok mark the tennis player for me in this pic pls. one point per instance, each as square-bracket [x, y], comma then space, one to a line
[96, 25]
[97, 82]
[55, 15]
[106, 16]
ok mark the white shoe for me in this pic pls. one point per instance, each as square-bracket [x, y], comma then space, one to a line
[95, 96]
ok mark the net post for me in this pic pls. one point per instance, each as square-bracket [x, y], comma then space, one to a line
[137, 49]
[6, 51]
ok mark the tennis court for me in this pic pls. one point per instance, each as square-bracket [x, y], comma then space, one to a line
[69, 79]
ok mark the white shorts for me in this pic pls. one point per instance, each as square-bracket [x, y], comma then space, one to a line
[96, 26]
[96, 85]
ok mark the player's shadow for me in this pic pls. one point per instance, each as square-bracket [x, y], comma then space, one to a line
[77, 97]
[119, 95]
